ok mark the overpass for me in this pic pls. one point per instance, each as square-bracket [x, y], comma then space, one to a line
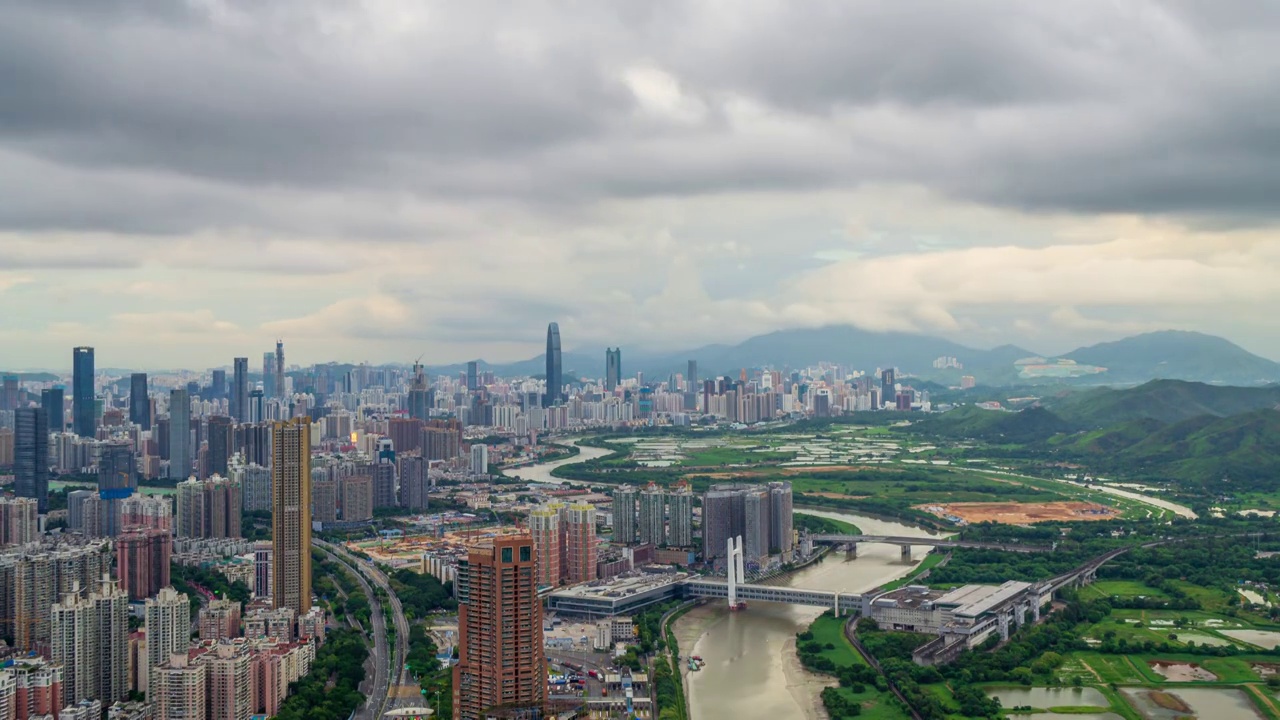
[906, 543]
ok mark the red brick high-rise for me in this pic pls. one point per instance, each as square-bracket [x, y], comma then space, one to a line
[142, 556]
[500, 655]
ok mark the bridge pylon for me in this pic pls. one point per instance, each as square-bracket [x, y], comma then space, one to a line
[736, 571]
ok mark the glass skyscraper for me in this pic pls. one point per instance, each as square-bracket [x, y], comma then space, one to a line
[139, 403]
[31, 455]
[555, 379]
[240, 390]
[83, 420]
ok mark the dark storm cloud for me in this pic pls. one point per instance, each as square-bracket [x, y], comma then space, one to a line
[1091, 106]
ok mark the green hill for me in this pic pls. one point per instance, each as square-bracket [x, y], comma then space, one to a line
[1168, 401]
[1032, 425]
[1242, 449]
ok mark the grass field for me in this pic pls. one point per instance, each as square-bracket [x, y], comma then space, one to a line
[929, 561]
[1121, 588]
[876, 705]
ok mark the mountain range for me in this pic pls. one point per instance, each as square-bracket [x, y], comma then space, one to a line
[1167, 354]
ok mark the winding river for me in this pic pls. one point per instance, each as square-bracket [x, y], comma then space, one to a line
[751, 670]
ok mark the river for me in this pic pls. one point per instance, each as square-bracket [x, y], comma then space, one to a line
[541, 472]
[751, 668]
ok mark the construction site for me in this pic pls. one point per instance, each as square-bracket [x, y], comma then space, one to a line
[1017, 513]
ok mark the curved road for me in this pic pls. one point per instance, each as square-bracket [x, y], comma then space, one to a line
[389, 669]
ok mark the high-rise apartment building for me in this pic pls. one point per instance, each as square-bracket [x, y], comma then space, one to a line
[178, 689]
[612, 368]
[500, 653]
[239, 400]
[18, 520]
[480, 459]
[680, 510]
[84, 420]
[33, 577]
[143, 557]
[229, 691]
[555, 378]
[324, 500]
[31, 455]
[357, 498]
[262, 565]
[624, 515]
[168, 623]
[54, 401]
[782, 534]
[209, 508]
[384, 483]
[90, 639]
[179, 434]
[544, 529]
[220, 620]
[139, 401]
[653, 516]
[291, 514]
[761, 514]
[580, 533]
[415, 483]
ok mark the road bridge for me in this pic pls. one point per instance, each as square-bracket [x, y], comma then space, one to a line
[906, 543]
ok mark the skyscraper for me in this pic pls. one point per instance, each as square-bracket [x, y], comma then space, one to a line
[219, 444]
[580, 534]
[624, 515]
[179, 434]
[612, 368]
[168, 623]
[9, 392]
[239, 404]
[544, 528]
[419, 396]
[117, 479]
[291, 514]
[53, 400]
[680, 508]
[31, 455]
[269, 374]
[209, 508]
[279, 368]
[257, 406]
[500, 655]
[653, 515]
[888, 389]
[83, 414]
[781, 538]
[218, 384]
[555, 379]
[691, 377]
[473, 375]
[139, 402]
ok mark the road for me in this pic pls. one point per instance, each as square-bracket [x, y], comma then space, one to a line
[389, 669]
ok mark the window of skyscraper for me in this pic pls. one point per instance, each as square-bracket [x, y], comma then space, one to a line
[506, 555]
[526, 553]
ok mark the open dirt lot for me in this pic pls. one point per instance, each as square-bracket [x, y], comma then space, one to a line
[1014, 513]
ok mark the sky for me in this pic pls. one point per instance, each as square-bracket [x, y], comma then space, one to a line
[184, 181]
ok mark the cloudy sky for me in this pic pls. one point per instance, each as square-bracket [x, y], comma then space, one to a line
[182, 181]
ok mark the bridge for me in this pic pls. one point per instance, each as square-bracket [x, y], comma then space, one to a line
[851, 542]
[841, 603]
